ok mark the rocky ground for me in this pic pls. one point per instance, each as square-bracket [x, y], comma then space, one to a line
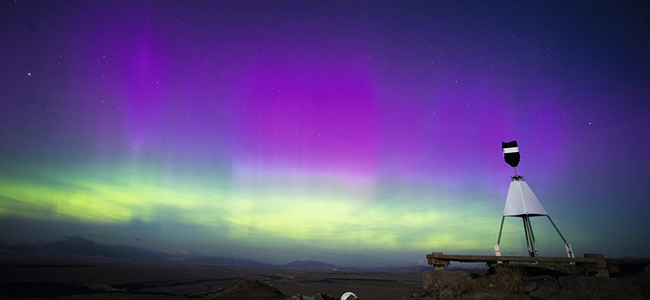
[517, 282]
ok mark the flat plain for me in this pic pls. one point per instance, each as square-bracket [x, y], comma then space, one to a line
[97, 278]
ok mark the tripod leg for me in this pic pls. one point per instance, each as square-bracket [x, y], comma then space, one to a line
[500, 230]
[497, 250]
[569, 249]
[558, 231]
[532, 237]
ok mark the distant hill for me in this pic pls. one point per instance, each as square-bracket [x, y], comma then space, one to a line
[83, 247]
[309, 264]
[226, 261]
[80, 247]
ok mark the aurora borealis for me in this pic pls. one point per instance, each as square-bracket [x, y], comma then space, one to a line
[356, 132]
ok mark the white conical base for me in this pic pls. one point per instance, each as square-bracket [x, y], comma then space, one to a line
[521, 201]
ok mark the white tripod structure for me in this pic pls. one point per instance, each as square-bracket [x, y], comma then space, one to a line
[522, 202]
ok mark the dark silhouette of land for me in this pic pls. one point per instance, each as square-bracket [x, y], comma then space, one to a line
[77, 268]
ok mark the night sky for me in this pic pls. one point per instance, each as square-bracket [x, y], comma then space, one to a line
[351, 132]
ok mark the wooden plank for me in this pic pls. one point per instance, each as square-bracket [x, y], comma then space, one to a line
[489, 258]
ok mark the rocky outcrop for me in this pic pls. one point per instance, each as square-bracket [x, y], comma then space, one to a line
[446, 284]
[509, 282]
[322, 296]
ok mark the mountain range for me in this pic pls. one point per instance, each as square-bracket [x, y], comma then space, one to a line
[70, 247]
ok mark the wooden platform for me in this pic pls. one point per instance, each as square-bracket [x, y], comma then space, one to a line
[491, 258]
[593, 263]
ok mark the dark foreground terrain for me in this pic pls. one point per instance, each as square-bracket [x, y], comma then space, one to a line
[88, 278]
[35, 278]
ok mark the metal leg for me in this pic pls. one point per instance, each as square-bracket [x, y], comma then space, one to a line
[569, 249]
[497, 250]
[526, 234]
[569, 252]
[532, 237]
[558, 231]
[501, 229]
